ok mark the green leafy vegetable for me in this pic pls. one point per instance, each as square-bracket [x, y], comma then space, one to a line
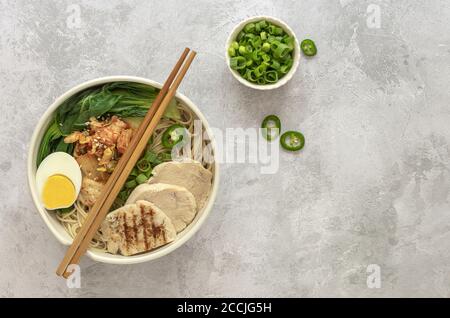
[172, 111]
[51, 138]
[125, 99]
[119, 98]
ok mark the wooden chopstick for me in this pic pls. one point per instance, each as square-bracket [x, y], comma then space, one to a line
[124, 166]
[134, 158]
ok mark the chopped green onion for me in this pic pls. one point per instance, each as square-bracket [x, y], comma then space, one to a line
[238, 62]
[266, 57]
[148, 173]
[240, 36]
[281, 50]
[249, 28]
[276, 65]
[250, 75]
[263, 35]
[262, 52]
[143, 165]
[261, 81]
[256, 56]
[150, 156]
[131, 184]
[271, 76]
[262, 24]
[134, 172]
[141, 178]
[273, 29]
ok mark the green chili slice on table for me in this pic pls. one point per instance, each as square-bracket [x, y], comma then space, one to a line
[292, 140]
[172, 136]
[271, 126]
[308, 47]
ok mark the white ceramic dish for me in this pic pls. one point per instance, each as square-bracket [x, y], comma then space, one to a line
[55, 226]
[286, 77]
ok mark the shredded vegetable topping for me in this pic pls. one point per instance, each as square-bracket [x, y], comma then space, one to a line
[262, 53]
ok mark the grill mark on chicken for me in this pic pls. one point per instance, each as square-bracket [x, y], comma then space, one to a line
[146, 226]
[163, 232]
[131, 232]
[135, 230]
[156, 230]
[125, 229]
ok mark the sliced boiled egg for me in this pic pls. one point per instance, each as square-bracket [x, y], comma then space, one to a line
[58, 180]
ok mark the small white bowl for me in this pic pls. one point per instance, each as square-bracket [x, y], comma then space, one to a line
[286, 77]
[49, 217]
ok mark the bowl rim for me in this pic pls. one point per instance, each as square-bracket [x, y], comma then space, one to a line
[92, 253]
[286, 78]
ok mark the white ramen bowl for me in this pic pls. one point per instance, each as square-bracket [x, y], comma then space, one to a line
[286, 78]
[56, 227]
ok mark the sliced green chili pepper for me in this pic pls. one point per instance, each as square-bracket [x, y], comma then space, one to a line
[150, 156]
[292, 140]
[308, 47]
[172, 136]
[271, 126]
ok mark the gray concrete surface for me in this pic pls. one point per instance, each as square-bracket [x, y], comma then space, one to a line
[371, 186]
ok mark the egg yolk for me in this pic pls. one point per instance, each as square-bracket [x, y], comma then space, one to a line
[58, 192]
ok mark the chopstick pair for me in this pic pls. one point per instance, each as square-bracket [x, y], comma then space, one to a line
[126, 163]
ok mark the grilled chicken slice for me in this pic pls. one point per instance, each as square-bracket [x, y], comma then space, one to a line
[136, 228]
[190, 175]
[176, 202]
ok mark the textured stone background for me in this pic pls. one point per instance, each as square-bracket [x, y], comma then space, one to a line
[371, 186]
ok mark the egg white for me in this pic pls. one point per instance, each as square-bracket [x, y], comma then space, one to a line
[59, 163]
